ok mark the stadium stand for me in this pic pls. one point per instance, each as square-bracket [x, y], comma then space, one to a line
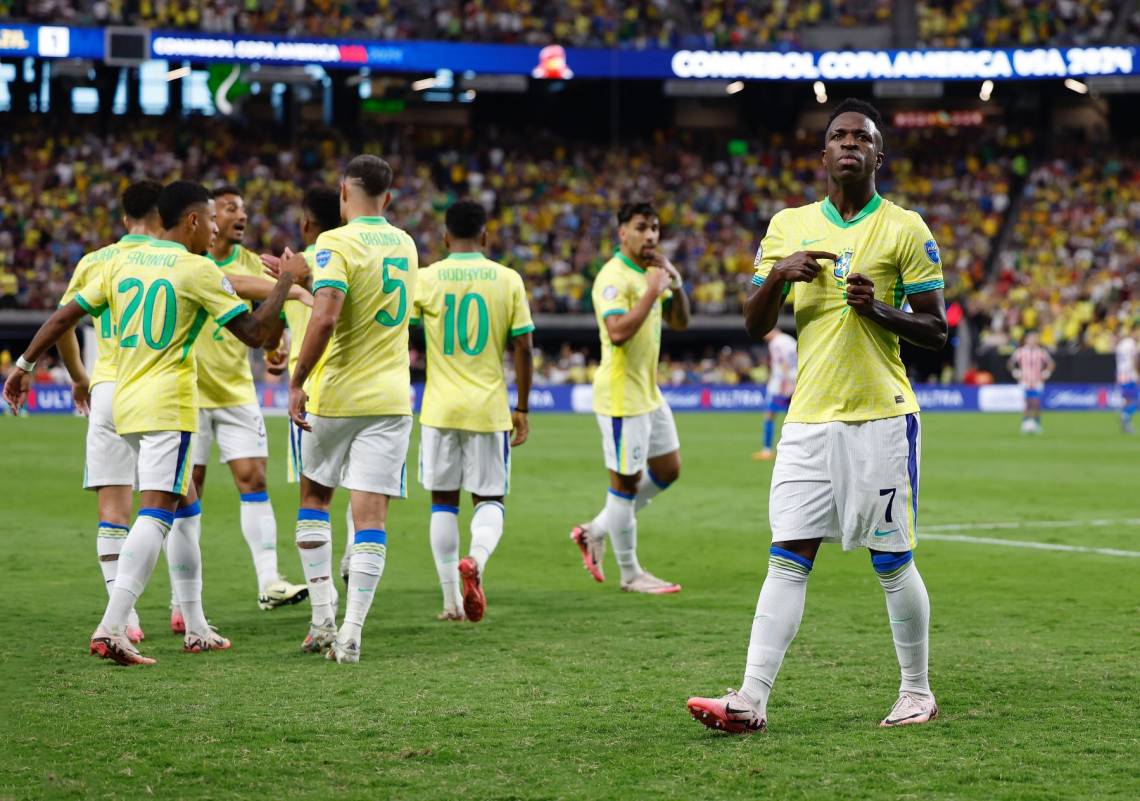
[1015, 23]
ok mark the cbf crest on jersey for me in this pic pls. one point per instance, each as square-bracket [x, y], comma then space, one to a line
[323, 257]
[843, 265]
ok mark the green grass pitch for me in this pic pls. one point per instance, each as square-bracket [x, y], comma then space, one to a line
[572, 690]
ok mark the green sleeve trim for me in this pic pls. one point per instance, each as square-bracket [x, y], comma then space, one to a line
[757, 280]
[340, 285]
[94, 311]
[281, 316]
[612, 312]
[525, 329]
[924, 286]
[414, 321]
[231, 314]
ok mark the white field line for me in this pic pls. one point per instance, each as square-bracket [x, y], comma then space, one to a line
[1030, 524]
[925, 533]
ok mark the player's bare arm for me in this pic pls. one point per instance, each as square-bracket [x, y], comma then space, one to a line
[621, 327]
[251, 288]
[522, 347]
[62, 321]
[327, 305]
[677, 312]
[68, 347]
[762, 309]
[256, 328]
[273, 269]
[924, 326]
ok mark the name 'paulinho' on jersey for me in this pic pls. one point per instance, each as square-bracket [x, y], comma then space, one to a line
[849, 367]
[469, 307]
[224, 375]
[366, 369]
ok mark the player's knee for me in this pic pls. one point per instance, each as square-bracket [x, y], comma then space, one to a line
[313, 528]
[887, 564]
[665, 475]
[249, 475]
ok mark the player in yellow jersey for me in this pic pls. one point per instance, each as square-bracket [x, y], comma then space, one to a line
[160, 295]
[350, 394]
[847, 467]
[110, 464]
[230, 415]
[471, 309]
[632, 296]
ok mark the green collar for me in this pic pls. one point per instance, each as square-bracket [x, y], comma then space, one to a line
[466, 254]
[228, 259]
[369, 220]
[166, 243]
[310, 248]
[628, 262]
[832, 214]
[135, 238]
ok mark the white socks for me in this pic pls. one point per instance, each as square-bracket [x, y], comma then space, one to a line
[369, 553]
[349, 531]
[648, 488]
[314, 544]
[486, 531]
[621, 523]
[184, 556]
[908, 607]
[778, 612]
[108, 545]
[259, 527]
[445, 549]
[136, 562]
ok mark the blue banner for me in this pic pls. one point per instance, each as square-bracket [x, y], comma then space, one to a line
[51, 41]
[274, 398]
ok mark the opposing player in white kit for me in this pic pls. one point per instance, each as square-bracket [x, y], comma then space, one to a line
[1031, 365]
[1127, 368]
[353, 403]
[471, 309]
[848, 463]
[781, 384]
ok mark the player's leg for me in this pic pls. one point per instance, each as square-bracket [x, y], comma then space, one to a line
[1128, 394]
[199, 456]
[441, 473]
[163, 478]
[184, 554]
[486, 459]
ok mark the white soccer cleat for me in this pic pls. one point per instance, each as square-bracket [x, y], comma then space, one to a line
[646, 582]
[732, 713]
[593, 550]
[347, 653]
[117, 648]
[319, 637]
[196, 642]
[281, 593]
[911, 708]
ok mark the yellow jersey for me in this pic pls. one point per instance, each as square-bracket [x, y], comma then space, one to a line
[625, 383]
[224, 375]
[849, 367]
[365, 370]
[469, 307]
[160, 297]
[106, 343]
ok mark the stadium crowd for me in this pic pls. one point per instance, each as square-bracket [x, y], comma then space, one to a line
[726, 24]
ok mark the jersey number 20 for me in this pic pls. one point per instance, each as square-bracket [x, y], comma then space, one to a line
[148, 299]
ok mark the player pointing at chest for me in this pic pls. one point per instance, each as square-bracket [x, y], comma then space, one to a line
[847, 467]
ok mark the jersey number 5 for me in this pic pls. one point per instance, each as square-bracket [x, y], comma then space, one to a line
[394, 284]
[148, 299]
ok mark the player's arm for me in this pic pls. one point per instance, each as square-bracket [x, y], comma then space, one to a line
[19, 380]
[253, 288]
[1050, 366]
[622, 327]
[1012, 365]
[677, 311]
[272, 266]
[327, 305]
[762, 309]
[523, 357]
[68, 347]
[924, 326]
[254, 329]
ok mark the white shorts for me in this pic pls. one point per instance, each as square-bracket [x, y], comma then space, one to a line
[851, 483]
[239, 431]
[628, 443]
[478, 462]
[110, 460]
[163, 458]
[368, 454]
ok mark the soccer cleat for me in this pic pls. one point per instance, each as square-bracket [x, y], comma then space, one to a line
[134, 630]
[911, 708]
[319, 637]
[474, 601]
[593, 550]
[451, 614]
[762, 456]
[347, 653]
[649, 584]
[117, 648]
[281, 593]
[732, 713]
[177, 622]
[195, 643]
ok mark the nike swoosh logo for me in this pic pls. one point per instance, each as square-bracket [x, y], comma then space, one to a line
[885, 533]
[806, 242]
[730, 711]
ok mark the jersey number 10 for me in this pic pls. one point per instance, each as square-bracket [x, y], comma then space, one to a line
[452, 331]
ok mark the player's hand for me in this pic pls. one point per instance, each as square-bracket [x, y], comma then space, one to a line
[860, 293]
[81, 392]
[802, 266]
[520, 427]
[661, 261]
[295, 265]
[659, 281]
[16, 389]
[272, 264]
[297, 400]
[276, 361]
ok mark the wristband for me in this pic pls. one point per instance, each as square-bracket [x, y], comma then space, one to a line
[522, 411]
[24, 364]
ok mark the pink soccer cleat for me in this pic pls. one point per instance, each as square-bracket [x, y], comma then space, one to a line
[732, 713]
[593, 550]
[196, 643]
[177, 622]
[474, 601]
[911, 708]
[646, 582]
[117, 648]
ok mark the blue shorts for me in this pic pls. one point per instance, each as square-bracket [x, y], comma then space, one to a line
[1033, 394]
[778, 403]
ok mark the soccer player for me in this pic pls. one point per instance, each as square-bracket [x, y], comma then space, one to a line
[847, 467]
[159, 295]
[110, 463]
[471, 308]
[1127, 368]
[352, 380]
[632, 296]
[781, 384]
[230, 415]
[1031, 365]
